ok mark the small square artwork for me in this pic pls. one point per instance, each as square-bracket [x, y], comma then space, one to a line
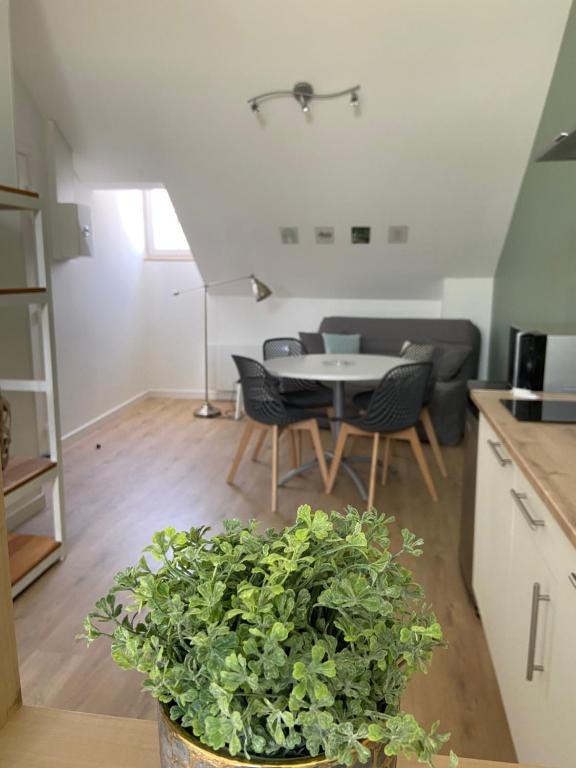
[360, 235]
[289, 235]
[324, 235]
[397, 234]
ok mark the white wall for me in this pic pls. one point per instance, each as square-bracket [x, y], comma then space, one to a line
[471, 298]
[101, 317]
[7, 147]
[175, 326]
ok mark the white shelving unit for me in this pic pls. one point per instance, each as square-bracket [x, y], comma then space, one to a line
[31, 555]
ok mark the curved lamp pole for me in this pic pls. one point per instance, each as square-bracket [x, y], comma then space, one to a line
[260, 291]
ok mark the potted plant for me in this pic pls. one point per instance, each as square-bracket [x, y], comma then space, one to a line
[277, 647]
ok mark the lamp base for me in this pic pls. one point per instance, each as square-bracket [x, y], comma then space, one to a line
[207, 411]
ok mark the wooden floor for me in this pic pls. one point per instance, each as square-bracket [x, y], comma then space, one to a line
[159, 466]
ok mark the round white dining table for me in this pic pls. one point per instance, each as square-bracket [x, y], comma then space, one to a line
[338, 369]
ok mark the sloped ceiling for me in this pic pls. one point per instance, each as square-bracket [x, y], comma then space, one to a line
[452, 91]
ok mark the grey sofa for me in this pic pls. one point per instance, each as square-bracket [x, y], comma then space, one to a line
[458, 350]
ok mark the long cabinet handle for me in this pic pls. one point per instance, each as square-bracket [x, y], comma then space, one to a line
[572, 579]
[502, 460]
[519, 498]
[537, 598]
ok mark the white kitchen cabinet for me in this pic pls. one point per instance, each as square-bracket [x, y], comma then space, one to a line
[526, 594]
[493, 534]
[560, 715]
[523, 667]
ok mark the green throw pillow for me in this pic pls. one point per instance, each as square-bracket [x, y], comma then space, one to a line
[342, 343]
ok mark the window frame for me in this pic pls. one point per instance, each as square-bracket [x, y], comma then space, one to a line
[151, 253]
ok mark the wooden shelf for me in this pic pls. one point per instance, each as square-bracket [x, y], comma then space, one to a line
[12, 291]
[26, 552]
[17, 297]
[20, 472]
[14, 199]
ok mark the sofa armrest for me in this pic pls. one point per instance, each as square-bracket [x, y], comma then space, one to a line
[448, 410]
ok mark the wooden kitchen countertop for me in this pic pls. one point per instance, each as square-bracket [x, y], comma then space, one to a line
[52, 738]
[546, 454]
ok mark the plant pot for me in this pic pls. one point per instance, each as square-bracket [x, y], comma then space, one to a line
[180, 750]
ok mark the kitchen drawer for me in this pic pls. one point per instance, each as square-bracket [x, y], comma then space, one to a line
[556, 549]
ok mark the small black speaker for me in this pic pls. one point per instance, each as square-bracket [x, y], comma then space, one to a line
[529, 361]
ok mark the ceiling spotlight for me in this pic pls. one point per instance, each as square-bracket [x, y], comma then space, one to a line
[304, 95]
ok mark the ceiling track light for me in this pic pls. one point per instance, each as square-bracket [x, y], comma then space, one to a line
[304, 95]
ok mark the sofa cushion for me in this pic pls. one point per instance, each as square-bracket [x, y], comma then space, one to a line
[342, 343]
[313, 342]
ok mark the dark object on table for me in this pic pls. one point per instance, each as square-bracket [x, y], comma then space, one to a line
[466, 546]
[296, 393]
[545, 411]
[458, 346]
[5, 430]
[393, 413]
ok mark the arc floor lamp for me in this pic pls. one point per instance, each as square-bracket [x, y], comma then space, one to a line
[260, 291]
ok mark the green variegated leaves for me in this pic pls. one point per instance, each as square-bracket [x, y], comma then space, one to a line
[282, 643]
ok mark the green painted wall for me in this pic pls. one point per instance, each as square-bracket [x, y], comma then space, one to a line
[536, 277]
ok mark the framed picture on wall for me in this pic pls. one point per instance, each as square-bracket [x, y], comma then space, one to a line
[360, 235]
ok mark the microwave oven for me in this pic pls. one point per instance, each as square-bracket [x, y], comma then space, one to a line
[542, 360]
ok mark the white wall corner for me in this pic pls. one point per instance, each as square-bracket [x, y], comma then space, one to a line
[471, 298]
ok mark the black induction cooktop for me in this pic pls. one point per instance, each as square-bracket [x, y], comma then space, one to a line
[554, 411]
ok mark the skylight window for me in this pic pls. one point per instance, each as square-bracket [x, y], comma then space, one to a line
[165, 238]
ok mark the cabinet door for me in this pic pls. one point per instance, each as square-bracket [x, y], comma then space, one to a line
[492, 537]
[524, 675]
[558, 710]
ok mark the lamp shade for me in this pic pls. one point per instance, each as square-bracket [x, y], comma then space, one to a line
[259, 289]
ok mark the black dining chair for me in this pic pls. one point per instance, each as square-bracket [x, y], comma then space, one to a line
[392, 413]
[296, 393]
[267, 411]
[302, 394]
[419, 353]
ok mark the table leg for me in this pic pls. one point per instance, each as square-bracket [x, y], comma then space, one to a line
[339, 398]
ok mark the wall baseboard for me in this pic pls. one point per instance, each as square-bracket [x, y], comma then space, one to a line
[93, 424]
[190, 394]
[174, 394]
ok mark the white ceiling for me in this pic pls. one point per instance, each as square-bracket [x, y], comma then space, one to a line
[452, 91]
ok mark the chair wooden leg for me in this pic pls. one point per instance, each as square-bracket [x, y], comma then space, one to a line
[275, 438]
[433, 440]
[373, 469]
[318, 449]
[422, 463]
[338, 453]
[259, 444]
[244, 440]
[386, 459]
